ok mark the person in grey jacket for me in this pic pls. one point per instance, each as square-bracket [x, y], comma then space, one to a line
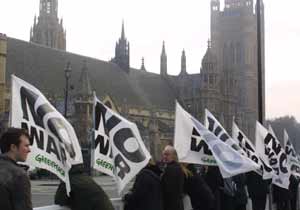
[15, 189]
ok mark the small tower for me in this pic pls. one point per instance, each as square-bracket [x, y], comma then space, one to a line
[122, 52]
[48, 30]
[163, 61]
[183, 63]
[210, 81]
[143, 64]
[83, 107]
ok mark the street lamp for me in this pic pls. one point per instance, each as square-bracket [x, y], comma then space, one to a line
[67, 77]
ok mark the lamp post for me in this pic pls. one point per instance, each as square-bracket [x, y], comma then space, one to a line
[67, 77]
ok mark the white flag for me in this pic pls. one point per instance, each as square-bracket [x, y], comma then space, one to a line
[291, 155]
[54, 144]
[213, 125]
[270, 150]
[119, 149]
[265, 170]
[190, 146]
[230, 161]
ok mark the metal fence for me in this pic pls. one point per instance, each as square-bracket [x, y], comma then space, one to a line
[118, 205]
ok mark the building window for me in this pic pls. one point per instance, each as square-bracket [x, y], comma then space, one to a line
[215, 8]
[48, 7]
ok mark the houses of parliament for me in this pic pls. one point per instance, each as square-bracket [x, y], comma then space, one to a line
[226, 83]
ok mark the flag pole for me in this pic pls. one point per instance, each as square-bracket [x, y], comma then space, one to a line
[259, 63]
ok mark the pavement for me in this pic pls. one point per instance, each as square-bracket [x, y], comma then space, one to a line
[43, 191]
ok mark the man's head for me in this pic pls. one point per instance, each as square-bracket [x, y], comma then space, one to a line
[169, 154]
[15, 143]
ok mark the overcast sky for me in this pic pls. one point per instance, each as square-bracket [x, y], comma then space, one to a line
[93, 27]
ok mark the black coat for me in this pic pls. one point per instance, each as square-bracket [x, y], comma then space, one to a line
[199, 192]
[172, 186]
[15, 189]
[85, 193]
[146, 192]
[214, 180]
[257, 187]
[240, 197]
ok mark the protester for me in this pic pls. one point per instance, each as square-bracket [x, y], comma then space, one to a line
[257, 189]
[172, 180]
[228, 191]
[240, 197]
[146, 192]
[15, 189]
[85, 193]
[195, 187]
[293, 188]
[214, 180]
[282, 198]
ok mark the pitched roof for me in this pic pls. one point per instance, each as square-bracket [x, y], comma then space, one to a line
[44, 67]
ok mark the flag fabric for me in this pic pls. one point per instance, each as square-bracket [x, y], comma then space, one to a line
[54, 144]
[190, 146]
[118, 147]
[213, 125]
[265, 170]
[270, 150]
[230, 161]
[291, 155]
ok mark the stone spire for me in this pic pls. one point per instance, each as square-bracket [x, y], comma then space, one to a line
[48, 29]
[163, 61]
[183, 63]
[122, 52]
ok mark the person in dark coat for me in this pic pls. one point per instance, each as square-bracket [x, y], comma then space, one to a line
[15, 188]
[282, 198]
[257, 189]
[146, 192]
[214, 180]
[240, 197]
[195, 187]
[293, 188]
[85, 193]
[172, 180]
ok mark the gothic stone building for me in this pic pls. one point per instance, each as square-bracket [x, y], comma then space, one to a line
[226, 83]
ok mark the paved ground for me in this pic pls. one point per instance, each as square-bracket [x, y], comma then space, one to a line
[43, 191]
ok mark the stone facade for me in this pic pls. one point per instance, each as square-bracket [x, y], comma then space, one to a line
[226, 83]
[48, 30]
[3, 49]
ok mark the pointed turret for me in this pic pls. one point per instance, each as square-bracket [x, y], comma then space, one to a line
[123, 31]
[122, 51]
[163, 61]
[47, 29]
[183, 63]
[84, 90]
[143, 64]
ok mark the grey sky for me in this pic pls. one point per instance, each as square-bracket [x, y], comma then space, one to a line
[93, 27]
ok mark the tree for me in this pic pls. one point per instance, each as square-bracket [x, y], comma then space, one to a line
[292, 127]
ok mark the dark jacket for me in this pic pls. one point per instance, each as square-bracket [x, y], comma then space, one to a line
[199, 192]
[240, 197]
[172, 186]
[257, 187]
[15, 189]
[146, 192]
[85, 193]
[214, 180]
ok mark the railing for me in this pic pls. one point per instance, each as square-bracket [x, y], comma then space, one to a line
[117, 203]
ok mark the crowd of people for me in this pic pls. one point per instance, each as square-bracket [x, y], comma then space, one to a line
[164, 185]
